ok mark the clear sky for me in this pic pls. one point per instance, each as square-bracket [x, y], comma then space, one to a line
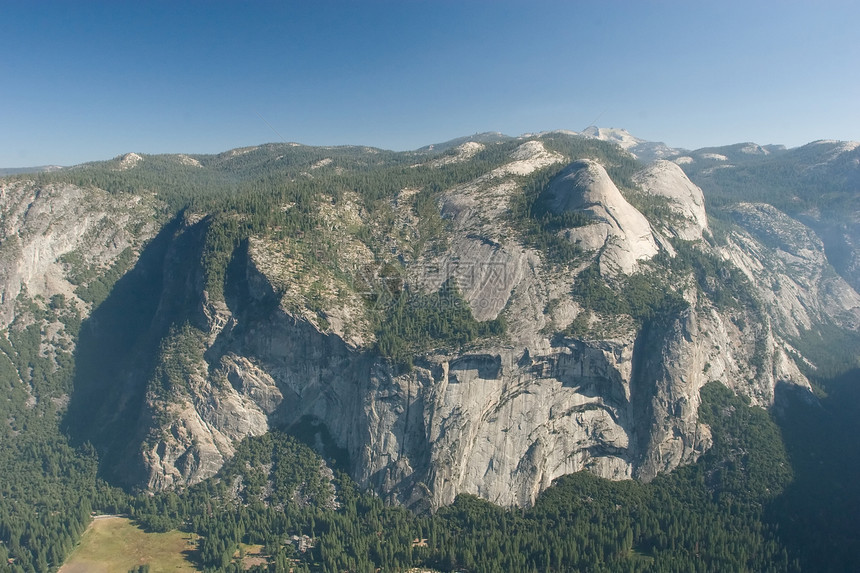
[82, 81]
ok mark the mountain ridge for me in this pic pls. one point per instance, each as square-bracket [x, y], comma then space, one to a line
[484, 320]
[654, 319]
[405, 245]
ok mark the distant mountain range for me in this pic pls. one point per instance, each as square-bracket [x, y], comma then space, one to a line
[4, 171]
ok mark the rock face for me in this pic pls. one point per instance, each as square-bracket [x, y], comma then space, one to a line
[501, 422]
[815, 184]
[620, 232]
[53, 237]
[643, 150]
[787, 260]
[500, 419]
[290, 345]
[666, 179]
[486, 270]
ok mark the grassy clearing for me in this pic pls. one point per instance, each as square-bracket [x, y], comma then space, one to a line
[251, 555]
[115, 545]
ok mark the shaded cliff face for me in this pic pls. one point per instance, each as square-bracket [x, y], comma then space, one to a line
[55, 238]
[62, 248]
[598, 366]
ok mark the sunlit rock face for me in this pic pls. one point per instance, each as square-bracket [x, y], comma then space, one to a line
[621, 234]
[564, 388]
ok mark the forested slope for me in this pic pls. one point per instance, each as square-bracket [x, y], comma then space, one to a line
[195, 340]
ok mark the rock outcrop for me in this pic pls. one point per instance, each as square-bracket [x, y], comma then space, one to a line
[500, 419]
[787, 262]
[292, 342]
[621, 233]
[55, 237]
[666, 179]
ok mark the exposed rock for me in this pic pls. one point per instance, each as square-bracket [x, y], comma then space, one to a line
[464, 151]
[842, 243]
[188, 160]
[620, 233]
[754, 149]
[787, 261]
[129, 160]
[666, 179]
[485, 269]
[646, 151]
[322, 163]
[500, 422]
[527, 158]
[40, 225]
[292, 344]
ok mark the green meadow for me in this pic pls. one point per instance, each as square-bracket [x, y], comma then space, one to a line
[115, 545]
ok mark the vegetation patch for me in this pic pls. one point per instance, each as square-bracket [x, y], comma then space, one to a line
[645, 296]
[115, 545]
[179, 358]
[416, 322]
[831, 350]
[539, 227]
[251, 555]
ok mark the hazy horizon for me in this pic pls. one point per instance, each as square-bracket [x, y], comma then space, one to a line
[87, 82]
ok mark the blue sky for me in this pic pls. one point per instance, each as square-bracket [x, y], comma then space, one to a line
[82, 81]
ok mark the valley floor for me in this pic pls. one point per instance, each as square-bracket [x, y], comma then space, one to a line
[113, 544]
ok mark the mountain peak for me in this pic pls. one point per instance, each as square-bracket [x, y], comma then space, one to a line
[486, 137]
[641, 149]
[619, 136]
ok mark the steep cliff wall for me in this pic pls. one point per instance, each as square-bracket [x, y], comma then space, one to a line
[57, 237]
[598, 366]
[499, 418]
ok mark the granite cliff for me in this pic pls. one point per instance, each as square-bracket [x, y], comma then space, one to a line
[598, 366]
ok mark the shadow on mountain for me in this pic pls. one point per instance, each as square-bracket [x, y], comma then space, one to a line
[115, 356]
[817, 513]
